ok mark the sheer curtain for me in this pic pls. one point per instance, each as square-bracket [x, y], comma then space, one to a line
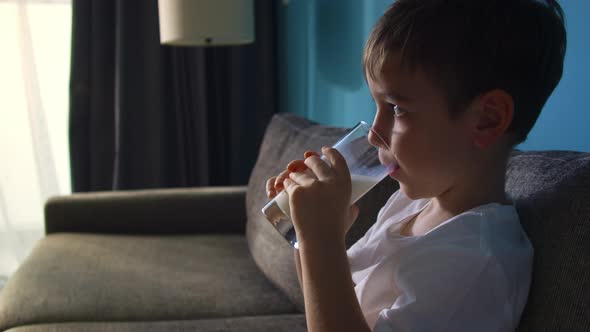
[34, 62]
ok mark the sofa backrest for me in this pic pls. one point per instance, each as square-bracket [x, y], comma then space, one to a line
[551, 191]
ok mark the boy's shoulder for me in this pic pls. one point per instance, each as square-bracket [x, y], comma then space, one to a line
[489, 223]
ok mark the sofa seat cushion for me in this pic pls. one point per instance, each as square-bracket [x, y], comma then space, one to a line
[89, 277]
[279, 323]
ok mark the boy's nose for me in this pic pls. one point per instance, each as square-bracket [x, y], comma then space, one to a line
[380, 131]
[377, 139]
[374, 138]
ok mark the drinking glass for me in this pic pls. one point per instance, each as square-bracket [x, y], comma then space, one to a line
[365, 169]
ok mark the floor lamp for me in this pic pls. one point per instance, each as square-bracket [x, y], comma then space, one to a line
[206, 22]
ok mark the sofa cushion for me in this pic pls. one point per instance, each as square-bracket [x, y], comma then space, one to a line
[73, 277]
[287, 137]
[278, 323]
[551, 190]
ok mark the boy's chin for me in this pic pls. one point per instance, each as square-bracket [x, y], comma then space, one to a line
[410, 192]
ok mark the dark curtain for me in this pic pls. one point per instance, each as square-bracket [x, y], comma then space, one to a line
[144, 115]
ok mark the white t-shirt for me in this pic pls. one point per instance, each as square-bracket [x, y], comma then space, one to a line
[470, 273]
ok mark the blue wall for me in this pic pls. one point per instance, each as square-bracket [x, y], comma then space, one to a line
[320, 52]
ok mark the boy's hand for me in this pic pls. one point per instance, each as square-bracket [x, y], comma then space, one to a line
[274, 185]
[320, 196]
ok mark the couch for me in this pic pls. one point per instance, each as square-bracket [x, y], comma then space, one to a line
[205, 259]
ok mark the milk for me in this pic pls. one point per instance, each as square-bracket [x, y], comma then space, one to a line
[360, 185]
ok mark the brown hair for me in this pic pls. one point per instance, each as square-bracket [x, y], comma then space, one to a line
[473, 46]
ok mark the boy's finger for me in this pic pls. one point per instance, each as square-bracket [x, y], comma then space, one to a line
[302, 179]
[310, 153]
[280, 179]
[336, 160]
[270, 187]
[296, 166]
[289, 184]
[319, 167]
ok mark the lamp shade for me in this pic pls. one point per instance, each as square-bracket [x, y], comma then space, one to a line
[206, 22]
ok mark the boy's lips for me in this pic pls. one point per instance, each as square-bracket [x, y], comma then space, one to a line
[388, 160]
[392, 169]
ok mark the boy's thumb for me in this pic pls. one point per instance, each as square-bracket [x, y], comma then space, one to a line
[354, 213]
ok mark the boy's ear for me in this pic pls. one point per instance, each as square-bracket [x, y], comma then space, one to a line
[494, 115]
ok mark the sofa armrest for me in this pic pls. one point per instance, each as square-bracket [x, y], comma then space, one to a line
[149, 211]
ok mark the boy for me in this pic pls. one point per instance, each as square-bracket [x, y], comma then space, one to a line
[457, 84]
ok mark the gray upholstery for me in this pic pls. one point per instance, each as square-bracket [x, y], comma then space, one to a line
[155, 211]
[91, 277]
[111, 263]
[552, 194]
[278, 323]
[288, 137]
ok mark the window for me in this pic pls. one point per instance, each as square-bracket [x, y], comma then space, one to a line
[34, 90]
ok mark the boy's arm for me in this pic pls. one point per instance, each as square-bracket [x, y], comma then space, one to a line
[328, 289]
[298, 267]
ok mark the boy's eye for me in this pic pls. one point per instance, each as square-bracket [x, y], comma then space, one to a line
[397, 111]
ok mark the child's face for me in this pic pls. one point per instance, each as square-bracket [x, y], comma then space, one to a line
[431, 149]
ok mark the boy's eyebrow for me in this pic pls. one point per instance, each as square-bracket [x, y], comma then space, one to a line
[396, 96]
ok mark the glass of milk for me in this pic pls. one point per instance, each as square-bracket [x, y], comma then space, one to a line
[365, 169]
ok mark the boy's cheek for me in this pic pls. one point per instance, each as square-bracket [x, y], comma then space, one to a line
[400, 143]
